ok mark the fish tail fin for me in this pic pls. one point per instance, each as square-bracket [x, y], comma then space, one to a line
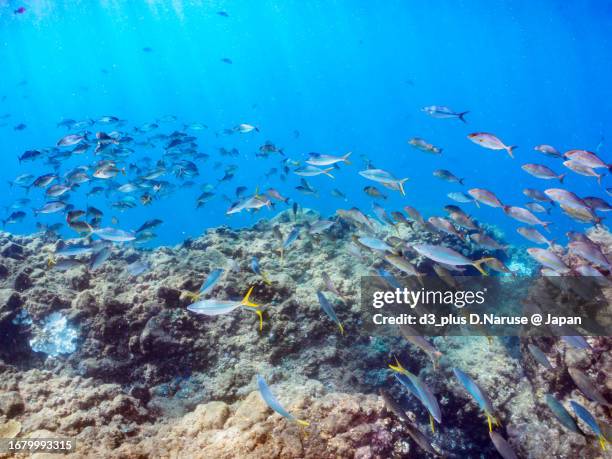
[246, 300]
[401, 186]
[477, 203]
[562, 177]
[341, 327]
[461, 180]
[599, 177]
[192, 296]
[123, 171]
[431, 424]
[477, 264]
[398, 366]
[461, 116]
[302, 423]
[489, 418]
[265, 278]
[326, 172]
[345, 158]
[260, 315]
[51, 261]
[510, 150]
[602, 442]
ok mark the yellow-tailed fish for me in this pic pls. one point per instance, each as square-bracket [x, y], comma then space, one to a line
[213, 307]
[479, 396]
[273, 403]
[422, 391]
[589, 420]
[448, 256]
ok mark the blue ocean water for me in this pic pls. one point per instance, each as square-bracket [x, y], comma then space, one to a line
[345, 76]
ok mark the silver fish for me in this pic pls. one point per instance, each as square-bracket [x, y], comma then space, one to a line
[443, 112]
[586, 386]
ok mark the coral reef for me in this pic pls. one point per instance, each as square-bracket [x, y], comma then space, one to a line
[117, 361]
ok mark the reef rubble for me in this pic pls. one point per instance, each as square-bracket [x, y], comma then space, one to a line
[143, 377]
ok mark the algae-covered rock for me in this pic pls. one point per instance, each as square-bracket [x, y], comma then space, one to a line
[148, 378]
[10, 429]
[11, 403]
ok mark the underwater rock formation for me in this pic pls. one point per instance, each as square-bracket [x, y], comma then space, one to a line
[148, 378]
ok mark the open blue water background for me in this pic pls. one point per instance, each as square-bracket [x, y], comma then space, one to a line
[348, 75]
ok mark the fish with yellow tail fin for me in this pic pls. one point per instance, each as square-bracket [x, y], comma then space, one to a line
[273, 403]
[418, 387]
[51, 261]
[213, 307]
[329, 310]
[257, 270]
[449, 257]
[589, 420]
[478, 394]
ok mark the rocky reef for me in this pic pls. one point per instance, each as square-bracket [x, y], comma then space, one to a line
[118, 362]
